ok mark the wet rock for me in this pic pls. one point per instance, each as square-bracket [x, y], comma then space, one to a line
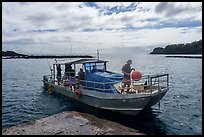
[70, 123]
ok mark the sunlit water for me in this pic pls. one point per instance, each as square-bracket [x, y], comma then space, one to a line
[24, 98]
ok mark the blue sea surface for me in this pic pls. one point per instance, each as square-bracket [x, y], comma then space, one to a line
[180, 113]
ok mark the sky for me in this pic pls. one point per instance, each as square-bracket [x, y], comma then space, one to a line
[84, 27]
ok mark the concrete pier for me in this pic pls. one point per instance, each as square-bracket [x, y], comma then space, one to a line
[70, 123]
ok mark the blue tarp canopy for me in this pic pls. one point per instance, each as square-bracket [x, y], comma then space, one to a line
[106, 79]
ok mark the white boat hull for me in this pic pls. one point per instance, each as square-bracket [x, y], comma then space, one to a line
[129, 104]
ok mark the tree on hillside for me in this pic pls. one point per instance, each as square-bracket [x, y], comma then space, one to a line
[188, 48]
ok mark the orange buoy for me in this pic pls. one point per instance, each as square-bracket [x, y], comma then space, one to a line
[78, 92]
[136, 75]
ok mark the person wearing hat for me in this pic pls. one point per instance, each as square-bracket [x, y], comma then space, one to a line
[59, 73]
[126, 70]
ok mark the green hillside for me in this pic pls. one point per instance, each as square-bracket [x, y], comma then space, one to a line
[188, 48]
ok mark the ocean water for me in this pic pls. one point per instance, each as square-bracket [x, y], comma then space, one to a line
[180, 113]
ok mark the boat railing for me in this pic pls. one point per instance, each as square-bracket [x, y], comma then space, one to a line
[48, 78]
[95, 85]
[150, 82]
[159, 81]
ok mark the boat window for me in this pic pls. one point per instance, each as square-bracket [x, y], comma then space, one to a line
[100, 66]
[90, 66]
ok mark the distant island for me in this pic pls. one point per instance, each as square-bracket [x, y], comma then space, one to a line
[188, 48]
[13, 55]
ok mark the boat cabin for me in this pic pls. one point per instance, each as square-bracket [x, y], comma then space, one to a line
[88, 66]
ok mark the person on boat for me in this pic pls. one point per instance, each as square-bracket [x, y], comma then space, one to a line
[59, 73]
[66, 70]
[81, 75]
[69, 71]
[70, 76]
[126, 70]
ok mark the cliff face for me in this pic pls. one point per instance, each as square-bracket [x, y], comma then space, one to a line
[189, 48]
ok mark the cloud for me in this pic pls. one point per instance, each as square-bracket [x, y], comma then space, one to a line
[88, 26]
[179, 10]
[39, 19]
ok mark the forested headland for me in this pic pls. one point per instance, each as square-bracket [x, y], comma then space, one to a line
[13, 55]
[194, 47]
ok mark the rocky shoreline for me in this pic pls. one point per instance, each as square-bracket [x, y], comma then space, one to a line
[70, 123]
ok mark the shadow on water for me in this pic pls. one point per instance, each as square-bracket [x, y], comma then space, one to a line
[146, 121]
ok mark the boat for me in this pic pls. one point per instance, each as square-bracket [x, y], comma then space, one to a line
[102, 88]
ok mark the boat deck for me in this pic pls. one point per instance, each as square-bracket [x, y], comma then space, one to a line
[139, 89]
[147, 85]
